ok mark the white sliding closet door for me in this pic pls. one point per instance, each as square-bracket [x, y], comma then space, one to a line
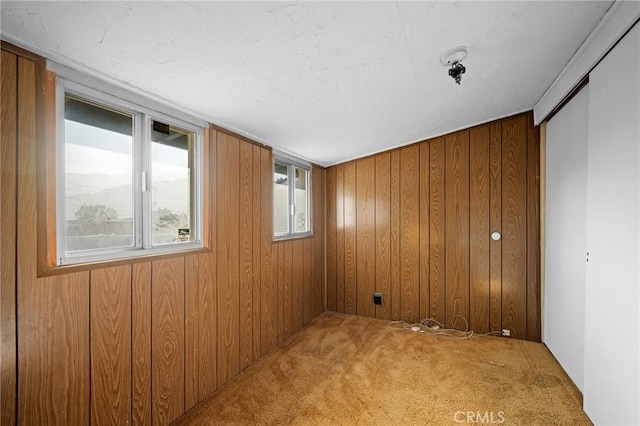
[612, 298]
[566, 235]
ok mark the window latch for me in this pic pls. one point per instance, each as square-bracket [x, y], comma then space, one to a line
[144, 182]
[293, 209]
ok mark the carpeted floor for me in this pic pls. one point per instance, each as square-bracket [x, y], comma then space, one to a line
[343, 370]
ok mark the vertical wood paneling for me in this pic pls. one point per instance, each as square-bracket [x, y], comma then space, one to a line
[438, 205]
[365, 236]
[350, 225]
[457, 230]
[8, 203]
[495, 225]
[395, 234]
[246, 254]
[409, 234]
[30, 372]
[382, 232]
[141, 341]
[257, 246]
[309, 266]
[316, 303]
[318, 247]
[280, 247]
[424, 167]
[534, 313]
[317, 291]
[479, 234]
[514, 227]
[191, 330]
[167, 341]
[110, 309]
[297, 292]
[53, 313]
[277, 302]
[228, 258]
[46, 164]
[53, 343]
[208, 185]
[269, 313]
[207, 331]
[437, 229]
[340, 227]
[307, 280]
[288, 288]
[331, 239]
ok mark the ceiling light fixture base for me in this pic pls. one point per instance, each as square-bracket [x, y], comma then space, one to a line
[453, 56]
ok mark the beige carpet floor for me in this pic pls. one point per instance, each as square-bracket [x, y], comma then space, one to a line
[344, 370]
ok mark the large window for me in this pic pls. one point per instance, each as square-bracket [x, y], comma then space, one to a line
[128, 179]
[291, 201]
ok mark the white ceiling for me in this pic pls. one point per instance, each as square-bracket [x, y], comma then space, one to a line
[326, 81]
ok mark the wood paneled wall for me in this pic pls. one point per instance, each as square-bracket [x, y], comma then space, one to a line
[143, 341]
[415, 224]
[11, 66]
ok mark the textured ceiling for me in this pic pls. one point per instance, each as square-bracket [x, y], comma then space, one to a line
[327, 81]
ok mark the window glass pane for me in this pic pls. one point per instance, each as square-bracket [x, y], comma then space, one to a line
[172, 184]
[98, 177]
[301, 218]
[280, 199]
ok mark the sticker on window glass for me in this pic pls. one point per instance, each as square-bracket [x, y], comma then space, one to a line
[183, 234]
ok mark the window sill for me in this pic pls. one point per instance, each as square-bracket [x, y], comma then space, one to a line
[81, 267]
[277, 239]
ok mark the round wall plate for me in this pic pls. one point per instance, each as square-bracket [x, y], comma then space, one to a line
[451, 56]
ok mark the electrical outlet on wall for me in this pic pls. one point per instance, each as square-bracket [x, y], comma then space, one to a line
[506, 332]
[377, 298]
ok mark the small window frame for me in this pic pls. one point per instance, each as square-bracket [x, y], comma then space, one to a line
[292, 163]
[142, 119]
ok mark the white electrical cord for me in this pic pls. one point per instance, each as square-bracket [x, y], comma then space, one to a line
[431, 326]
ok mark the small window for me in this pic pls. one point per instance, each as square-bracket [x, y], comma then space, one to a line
[291, 201]
[128, 180]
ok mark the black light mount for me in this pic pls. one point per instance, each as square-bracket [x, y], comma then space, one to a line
[456, 70]
[453, 58]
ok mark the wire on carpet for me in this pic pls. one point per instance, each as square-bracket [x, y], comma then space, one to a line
[431, 326]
